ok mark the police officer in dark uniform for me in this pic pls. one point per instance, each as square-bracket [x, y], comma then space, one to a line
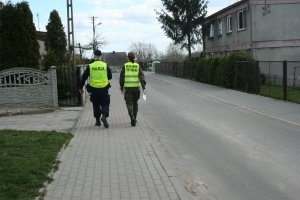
[131, 78]
[99, 74]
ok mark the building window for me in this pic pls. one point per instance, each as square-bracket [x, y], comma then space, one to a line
[220, 29]
[229, 24]
[211, 30]
[241, 19]
[211, 55]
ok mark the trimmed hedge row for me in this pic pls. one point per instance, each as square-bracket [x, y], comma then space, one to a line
[237, 71]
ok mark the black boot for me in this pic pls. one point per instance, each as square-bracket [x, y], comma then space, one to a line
[104, 120]
[98, 123]
[135, 114]
[133, 121]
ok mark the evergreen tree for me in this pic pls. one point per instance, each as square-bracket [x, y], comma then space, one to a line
[56, 41]
[18, 42]
[182, 21]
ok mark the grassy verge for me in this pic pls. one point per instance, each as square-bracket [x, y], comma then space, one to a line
[293, 94]
[27, 157]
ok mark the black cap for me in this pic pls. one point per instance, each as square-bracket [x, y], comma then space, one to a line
[97, 52]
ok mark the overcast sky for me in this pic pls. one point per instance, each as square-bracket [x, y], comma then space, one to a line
[123, 21]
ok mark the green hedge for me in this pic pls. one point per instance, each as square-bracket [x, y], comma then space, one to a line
[226, 72]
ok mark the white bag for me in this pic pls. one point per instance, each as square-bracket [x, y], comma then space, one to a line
[144, 97]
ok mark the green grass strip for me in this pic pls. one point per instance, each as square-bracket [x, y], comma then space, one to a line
[274, 91]
[26, 159]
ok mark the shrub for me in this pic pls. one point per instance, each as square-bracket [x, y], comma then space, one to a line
[223, 73]
[238, 71]
[189, 68]
[245, 74]
[228, 72]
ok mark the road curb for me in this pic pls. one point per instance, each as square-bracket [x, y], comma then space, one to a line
[25, 111]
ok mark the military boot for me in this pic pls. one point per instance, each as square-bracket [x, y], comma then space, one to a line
[133, 121]
[135, 115]
[98, 123]
[104, 120]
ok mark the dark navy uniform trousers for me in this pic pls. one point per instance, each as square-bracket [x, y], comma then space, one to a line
[101, 100]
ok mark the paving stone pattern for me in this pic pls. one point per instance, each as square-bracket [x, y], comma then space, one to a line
[114, 163]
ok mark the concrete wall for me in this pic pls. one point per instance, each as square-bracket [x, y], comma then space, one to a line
[276, 32]
[272, 34]
[24, 87]
[233, 41]
[274, 25]
[275, 22]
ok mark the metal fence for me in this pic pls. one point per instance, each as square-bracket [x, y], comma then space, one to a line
[67, 85]
[171, 69]
[280, 79]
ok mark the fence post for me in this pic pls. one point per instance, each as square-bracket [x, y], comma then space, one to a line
[258, 78]
[235, 76]
[284, 80]
[54, 85]
[78, 76]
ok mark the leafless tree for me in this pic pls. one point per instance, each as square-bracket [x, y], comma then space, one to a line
[96, 43]
[145, 52]
[174, 53]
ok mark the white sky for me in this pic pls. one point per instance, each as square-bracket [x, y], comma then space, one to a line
[123, 21]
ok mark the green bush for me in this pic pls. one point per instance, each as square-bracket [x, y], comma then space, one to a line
[238, 71]
[189, 68]
[263, 79]
[245, 75]
[222, 73]
[227, 72]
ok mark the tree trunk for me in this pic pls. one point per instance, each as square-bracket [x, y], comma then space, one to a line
[189, 46]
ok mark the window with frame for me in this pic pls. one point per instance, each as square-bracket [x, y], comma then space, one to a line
[241, 19]
[220, 27]
[211, 31]
[229, 24]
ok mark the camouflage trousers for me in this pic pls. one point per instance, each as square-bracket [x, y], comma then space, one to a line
[131, 97]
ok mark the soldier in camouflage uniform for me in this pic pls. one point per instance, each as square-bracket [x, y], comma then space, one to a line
[131, 78]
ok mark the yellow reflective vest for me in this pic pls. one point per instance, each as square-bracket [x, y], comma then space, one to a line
[132, 75]
[98, 74]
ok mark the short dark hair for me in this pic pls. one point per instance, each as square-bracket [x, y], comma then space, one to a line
[131, 55]
[97, 52]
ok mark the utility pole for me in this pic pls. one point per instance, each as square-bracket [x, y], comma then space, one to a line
[80, 52]
[94, 31]
[93, 21]
[71, 53]
[38, 21]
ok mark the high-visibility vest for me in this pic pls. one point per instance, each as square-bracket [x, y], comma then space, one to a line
[98, 74]
[132, 75]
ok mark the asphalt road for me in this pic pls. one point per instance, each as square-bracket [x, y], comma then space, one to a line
[223, 151]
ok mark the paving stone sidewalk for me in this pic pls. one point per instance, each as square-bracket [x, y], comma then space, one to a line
[40, 119]
[114, 163]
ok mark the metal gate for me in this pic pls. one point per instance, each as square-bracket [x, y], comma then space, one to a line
[67, 86]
